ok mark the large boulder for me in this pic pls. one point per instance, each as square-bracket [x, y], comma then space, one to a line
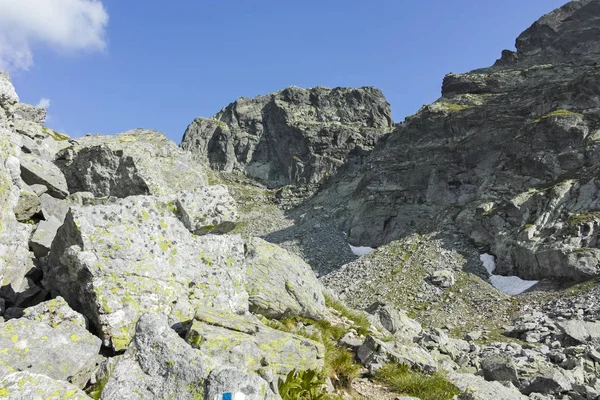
[281, 284]
[8, 95]
[26, 385]
[66, 352]
[157, 365]
[394, 321]
[236, 382]
[42, 239]
[244, 342]
[116, 261]
[578, 331]
[375, 352]
[292, 136]
[499, 368]
[476, 388]
[132, 163]
[35, 170]
[30, 113]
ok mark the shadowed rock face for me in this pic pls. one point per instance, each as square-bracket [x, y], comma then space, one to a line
[294, 136]
[511, 152]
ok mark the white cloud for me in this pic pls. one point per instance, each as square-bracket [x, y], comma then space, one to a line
[64, 25]
[44, 103]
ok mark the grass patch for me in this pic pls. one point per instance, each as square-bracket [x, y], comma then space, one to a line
[55, 135]
[360, 321]
[580, 219]
[401, 379]
[557, 113]
[452, 107]
[339, 366]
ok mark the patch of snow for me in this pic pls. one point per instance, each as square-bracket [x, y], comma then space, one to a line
[360, 250]
[512, 285]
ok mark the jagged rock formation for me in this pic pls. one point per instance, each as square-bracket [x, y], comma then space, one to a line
[294, 136]
[510, 152]
[124, 274]
[125, 230]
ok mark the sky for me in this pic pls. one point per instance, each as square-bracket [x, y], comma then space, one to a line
[113, 65]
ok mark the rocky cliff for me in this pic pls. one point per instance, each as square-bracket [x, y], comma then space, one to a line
[294, 136]
[510, 152]
[132, 268]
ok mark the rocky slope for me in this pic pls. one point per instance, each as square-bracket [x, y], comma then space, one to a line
[131, 269]
[509, 151]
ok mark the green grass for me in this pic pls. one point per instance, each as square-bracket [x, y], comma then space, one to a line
[360, 321]
[557, 113]
[452, 107]
[339, 364]
[579, 219]
[401, 379]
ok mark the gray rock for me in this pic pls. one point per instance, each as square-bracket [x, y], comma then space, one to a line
[52, 206]
[44, 234]
[234, 381]
[394, 321]
[67, 352]
[54, 312]
[116, 261]
[443, 279]
[476, 388]
[132, 163]
[30, 113]
[247, 344]
[580, 331]
[499, 368]
[28, 206]
[472, 336]
[548, 381]
[35, 170]
[207, 210]
[351, 341]
[8, 95]
[14, 286]
[25, 385]
[292, 136]
[38, 189]
[375, 351]
[281, 284]
[157, 365]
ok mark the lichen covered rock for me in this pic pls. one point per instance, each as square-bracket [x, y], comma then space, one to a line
[207, 210]
[25, 385]
[116, 261]
[132, 163]
[157, 365]
[280, 283]
[66, 352]
[249, 345]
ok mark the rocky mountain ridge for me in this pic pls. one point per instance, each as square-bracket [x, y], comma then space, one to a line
[508, 153]
[135, 269]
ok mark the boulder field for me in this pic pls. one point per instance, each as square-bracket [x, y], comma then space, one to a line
[134, 268]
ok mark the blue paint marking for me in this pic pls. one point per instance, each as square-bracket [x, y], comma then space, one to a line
[228, 396]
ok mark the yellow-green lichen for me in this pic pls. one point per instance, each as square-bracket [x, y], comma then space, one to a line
[560, 113]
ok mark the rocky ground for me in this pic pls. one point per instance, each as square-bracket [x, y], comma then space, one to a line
[132, 268]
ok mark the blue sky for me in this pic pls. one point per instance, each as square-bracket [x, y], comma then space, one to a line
[161, 64]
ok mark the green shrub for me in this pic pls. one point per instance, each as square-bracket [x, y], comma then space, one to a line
[305, 385]
[401, 379]
[340, 365]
